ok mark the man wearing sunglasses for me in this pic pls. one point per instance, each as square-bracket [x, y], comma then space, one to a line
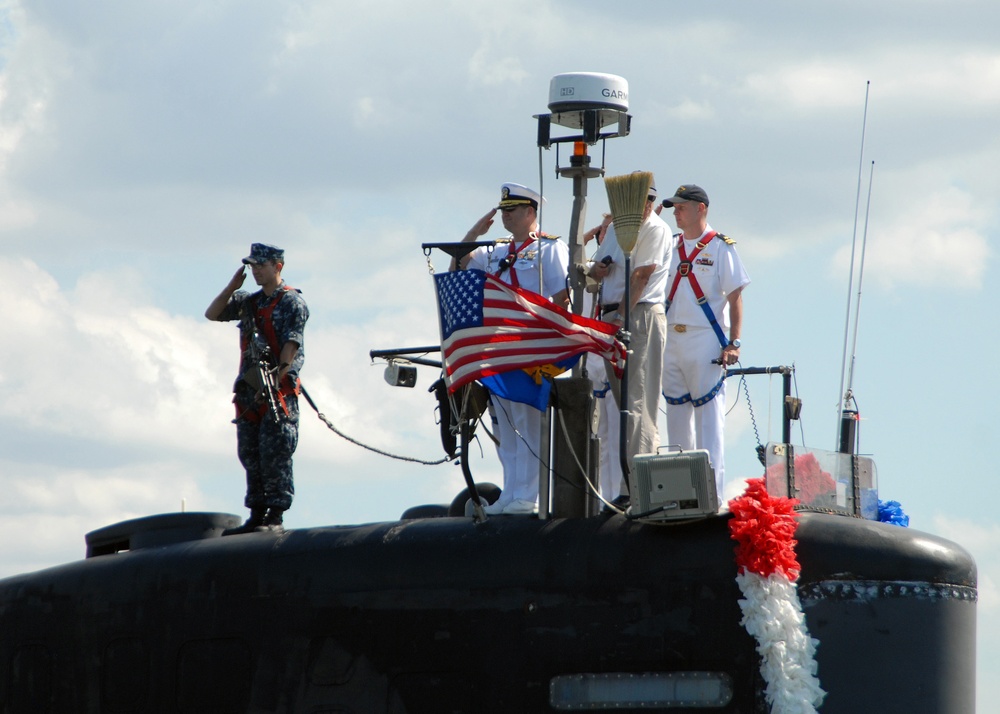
[647, 323]
[533, 261]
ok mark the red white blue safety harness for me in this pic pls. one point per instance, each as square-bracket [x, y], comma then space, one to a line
[684, 271]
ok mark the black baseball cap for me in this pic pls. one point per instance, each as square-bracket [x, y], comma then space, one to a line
[688, 192]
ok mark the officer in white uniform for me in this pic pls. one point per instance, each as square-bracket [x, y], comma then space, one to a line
[703, 263]
[532, 261]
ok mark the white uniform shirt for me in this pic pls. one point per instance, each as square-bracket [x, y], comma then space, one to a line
[718, 270]
[652, 247]
[554, 260]
[613, 284]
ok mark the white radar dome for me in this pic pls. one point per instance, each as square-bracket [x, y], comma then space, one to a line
[578, 91]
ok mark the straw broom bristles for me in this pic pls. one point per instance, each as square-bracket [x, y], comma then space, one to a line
[627, 200]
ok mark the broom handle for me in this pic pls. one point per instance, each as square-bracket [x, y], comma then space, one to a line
[623, 406]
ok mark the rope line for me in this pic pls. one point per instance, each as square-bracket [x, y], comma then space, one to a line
[354, 441]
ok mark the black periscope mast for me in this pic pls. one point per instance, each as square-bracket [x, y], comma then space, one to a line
[442, 612]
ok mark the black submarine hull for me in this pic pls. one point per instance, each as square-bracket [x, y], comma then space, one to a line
[447, 615]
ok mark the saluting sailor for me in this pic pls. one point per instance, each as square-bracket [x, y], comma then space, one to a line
[705, 316]
[267, 425]
[531, 261]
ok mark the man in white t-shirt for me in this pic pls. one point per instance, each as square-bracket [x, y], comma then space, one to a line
[647, 322]
[704, 264]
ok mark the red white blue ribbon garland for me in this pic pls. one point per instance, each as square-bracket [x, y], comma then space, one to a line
[767, 568]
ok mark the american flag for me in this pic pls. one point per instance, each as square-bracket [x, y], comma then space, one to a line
[489, 327]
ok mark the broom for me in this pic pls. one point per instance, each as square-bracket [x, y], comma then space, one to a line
[627, 196]
[627, 199]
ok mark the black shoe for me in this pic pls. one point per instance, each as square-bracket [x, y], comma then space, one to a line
[617, 506]
[254, 522]
[622, 502]
[272, 521]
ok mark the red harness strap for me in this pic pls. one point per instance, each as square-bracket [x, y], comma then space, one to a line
[508, 262]
[684, 271]
[265, 325]
[684, 268]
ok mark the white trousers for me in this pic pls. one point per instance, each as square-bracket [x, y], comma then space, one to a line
[606, 426]
[519, 455]
[688, 370]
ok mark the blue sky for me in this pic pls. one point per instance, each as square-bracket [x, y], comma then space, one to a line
[144, 146]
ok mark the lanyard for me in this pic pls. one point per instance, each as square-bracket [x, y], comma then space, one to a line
[508, 262]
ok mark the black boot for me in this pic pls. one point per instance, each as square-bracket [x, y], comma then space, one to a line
[272, 520]
[255, 520]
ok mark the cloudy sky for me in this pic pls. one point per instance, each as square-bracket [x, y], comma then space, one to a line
[144, 146]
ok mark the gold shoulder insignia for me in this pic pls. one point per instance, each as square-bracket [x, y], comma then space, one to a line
[726, 239]
[548, 237]
[508, 239]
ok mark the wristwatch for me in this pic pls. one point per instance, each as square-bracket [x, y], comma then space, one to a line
[734, 343]
[616, 316]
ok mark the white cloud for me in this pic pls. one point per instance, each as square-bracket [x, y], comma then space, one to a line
[982, 540]
[58, 505]
[364, 112]
[947, 79]
[106, 367]
[684, 111]
[811, 86]
[491, 68]
[942, 233]
[938, 80]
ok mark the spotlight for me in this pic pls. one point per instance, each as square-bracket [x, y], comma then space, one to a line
[401, 375]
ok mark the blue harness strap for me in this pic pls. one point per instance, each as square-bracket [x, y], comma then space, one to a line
[703, 303]
[700, 401]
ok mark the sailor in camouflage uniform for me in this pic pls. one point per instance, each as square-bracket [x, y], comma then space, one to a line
[267, 429]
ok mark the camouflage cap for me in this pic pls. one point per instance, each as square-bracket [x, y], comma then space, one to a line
[263, 253]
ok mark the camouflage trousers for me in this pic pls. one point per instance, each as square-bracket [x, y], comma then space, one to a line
[265, 449]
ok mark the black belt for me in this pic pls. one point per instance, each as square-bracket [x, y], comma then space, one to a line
[610, 307]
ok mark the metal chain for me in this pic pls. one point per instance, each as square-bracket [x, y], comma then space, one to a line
[342, 435]
[753, 422]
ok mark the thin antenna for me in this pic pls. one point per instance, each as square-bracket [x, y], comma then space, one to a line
[849, 394]
[850, 282]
